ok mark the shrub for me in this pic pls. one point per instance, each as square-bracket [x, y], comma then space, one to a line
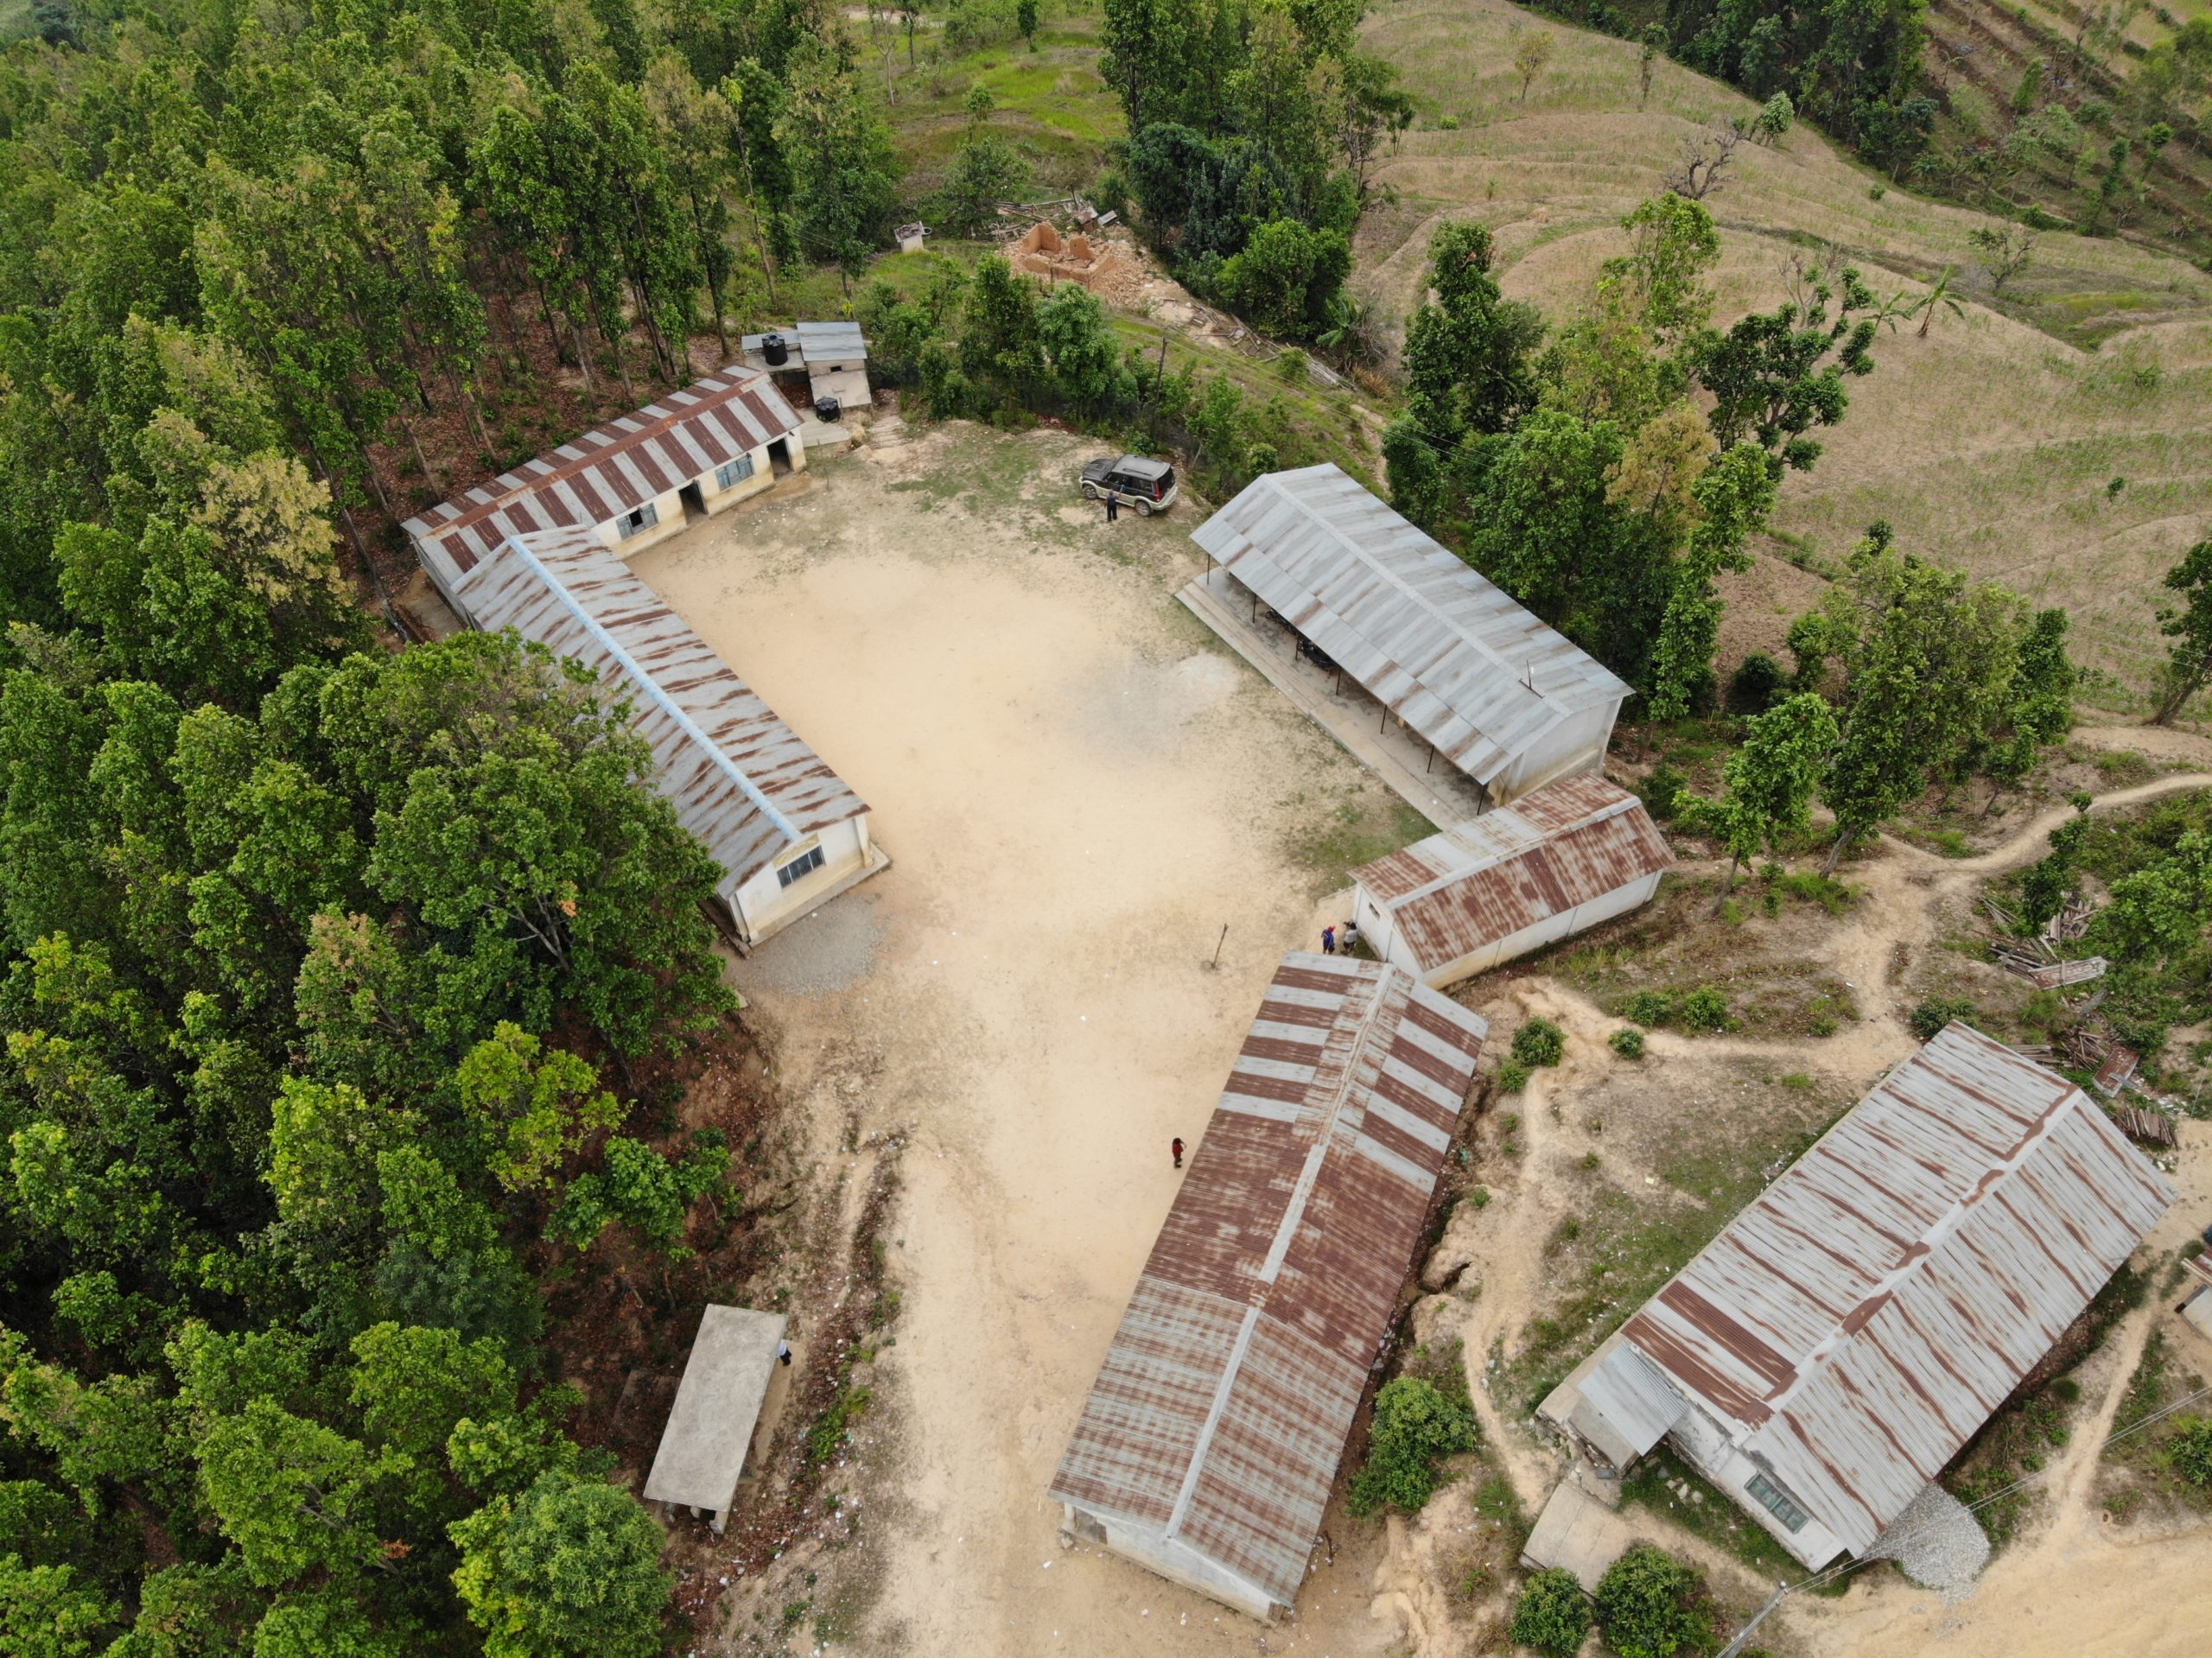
[1650, 1009]
[1704, 1009]
[1552, 1614]
[1929, 1018]
[1661, 792]
[1651, 1605]
[1539, 1042]
[1512, 1077]
[1413, 1426]
[1629, 1044]
[2190, 1451]
[1754, 684]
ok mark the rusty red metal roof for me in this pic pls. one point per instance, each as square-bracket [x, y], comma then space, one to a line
[1219, 1416]
[614, 469]
[1450, 653]
[1856, 1326]
[740, 779]
[1549, 852]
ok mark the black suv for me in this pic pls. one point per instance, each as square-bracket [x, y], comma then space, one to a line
[1148, 485]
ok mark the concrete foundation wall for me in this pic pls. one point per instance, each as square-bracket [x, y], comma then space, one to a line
[1705, 1446]
[762, 903]
[1175, 1560]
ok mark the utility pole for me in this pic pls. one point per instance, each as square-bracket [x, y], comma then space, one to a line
[1757, 1618]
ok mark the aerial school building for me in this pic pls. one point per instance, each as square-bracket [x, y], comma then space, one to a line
[543, 550]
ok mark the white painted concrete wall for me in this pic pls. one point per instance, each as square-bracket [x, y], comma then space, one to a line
[670, 507]
[1377, 927]
[1705, 1444]
[1574, 745]
[1173, 1560]
[763, 903]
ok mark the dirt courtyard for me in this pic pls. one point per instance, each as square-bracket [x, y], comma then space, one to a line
[1078, 789]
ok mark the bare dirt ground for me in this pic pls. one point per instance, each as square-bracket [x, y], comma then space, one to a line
[1079, 790]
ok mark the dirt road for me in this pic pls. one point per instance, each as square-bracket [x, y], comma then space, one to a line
[1078, 793]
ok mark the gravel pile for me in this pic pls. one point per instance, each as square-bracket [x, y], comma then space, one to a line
[1936, 1543]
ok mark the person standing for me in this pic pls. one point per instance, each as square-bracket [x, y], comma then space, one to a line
[1328, 941]
[1350, 936]
[1113, 506]
[1175, 1150]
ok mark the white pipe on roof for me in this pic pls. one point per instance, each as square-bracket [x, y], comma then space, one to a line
[684, 722]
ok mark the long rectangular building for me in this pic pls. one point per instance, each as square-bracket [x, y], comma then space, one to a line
[1208, 1447]
[1508, 700]
[1824, 1358]
[786, 829]
[631, 482]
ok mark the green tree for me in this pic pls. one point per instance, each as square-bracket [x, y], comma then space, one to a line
[1769, 782]
[842, 168]
[999, 344]
[1467, 350]
[1733, 498]
[1777, 375]
[1085, 357]
[568, 1569]
[1415, 1425]
[1651, 1605]
[534, 1105]
[986, 171]
[2188, 624]
[1286, 278]
[46, 1612]
[1553, 1614]
[293, 1495]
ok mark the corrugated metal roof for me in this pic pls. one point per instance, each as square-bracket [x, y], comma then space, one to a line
[1448, 652]
[615, 469]
[831, 342]
[740, 779]
[1488, 878]
[1859, 1323]
[1219, 1416]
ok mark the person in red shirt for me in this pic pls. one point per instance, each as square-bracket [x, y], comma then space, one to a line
[1175, 1146]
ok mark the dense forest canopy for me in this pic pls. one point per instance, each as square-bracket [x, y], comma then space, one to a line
[326, 968]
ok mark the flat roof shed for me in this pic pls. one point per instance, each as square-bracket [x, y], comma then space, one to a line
[717, 1405]
[1509, 699]
[1208, 1446]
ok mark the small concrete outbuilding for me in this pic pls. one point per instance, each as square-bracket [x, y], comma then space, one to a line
[1509, 701]
[1208, 1446]
[1826, 1357]
[1573, 854]
[833, 356]
[703, 1449]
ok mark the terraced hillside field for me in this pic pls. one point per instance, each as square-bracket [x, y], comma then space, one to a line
[1993, 444]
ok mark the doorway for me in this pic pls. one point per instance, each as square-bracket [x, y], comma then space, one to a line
[779, 456]
[693, 501]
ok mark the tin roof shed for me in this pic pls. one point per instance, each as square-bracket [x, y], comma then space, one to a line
[1474, 673]
[1568, 844]
[1855, 1326]
[613, 469]
[1209, 1445]
[740, 779]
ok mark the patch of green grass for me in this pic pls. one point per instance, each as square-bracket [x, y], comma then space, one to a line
[1367, 822]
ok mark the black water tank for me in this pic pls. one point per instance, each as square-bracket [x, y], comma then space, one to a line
[828, 408]
[774, 351]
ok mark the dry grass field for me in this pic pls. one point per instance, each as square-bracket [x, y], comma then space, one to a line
[1992, 444]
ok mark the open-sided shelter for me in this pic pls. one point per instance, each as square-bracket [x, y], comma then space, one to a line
[786, 829]
[631, 482]
[1825, 1357]
[1207, 1448]
[1576, 851]
[1510, 702]
[709, 1428]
